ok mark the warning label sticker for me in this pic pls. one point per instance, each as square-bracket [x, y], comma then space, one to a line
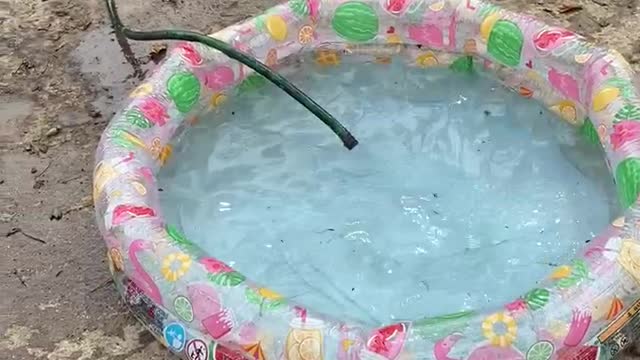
[621, 331]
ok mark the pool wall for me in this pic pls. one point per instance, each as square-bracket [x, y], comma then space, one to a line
[203, 309]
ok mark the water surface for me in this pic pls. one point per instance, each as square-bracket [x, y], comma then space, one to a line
[460, 195]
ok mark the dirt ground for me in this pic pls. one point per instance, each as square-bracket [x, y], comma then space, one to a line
[62, 76]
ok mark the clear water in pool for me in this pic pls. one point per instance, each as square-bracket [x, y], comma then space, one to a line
[460, 195]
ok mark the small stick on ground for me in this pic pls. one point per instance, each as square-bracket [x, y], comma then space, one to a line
[86, 202]
[101, 286]
[64, 181]
[45, 170]
[15, 272]
[17, 230]
[569, 8]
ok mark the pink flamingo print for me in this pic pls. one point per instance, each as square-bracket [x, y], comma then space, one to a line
[443, 347]
[580, 323]
[140, 276]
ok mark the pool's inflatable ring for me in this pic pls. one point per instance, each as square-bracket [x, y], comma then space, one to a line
[203, 309]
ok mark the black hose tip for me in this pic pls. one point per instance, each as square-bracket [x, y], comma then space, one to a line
[349, 142]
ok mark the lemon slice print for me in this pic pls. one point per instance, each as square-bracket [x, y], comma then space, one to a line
[183, 308]
[310, 349]
[305, 35]
[300, 336]
[542, 350]
[293, 354]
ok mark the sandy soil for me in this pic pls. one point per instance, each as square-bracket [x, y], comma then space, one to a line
[62, 76]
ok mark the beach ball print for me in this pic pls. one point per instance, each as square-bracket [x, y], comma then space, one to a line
[175, 336]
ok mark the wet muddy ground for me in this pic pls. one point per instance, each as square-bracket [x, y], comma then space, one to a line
[62, 77]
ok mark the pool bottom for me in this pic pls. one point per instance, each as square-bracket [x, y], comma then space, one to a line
[461, 195]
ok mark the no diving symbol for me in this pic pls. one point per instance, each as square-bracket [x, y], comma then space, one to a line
[196, 350]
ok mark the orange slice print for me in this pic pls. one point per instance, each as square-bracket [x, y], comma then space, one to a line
[306, 35]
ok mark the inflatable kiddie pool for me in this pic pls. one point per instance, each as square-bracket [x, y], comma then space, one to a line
[586, 309]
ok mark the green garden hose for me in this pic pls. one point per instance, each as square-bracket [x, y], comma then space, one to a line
[345, 136]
